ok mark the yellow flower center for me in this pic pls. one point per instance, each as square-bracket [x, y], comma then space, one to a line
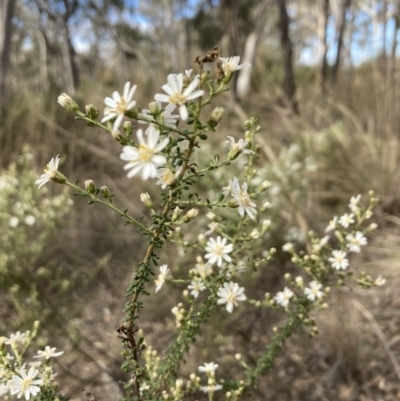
[121, 106]
[218, 250]
[145, 154]
[178, 99]
[168, 177]
[26, 383]
[244, 198]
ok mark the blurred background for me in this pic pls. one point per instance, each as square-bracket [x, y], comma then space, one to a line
[325, 86]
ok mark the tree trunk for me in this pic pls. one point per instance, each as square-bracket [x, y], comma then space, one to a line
[6, 13]
[287, 50]
[324, 63]
[72, 58]
[384, 28]
[230, 9]
[340, 35]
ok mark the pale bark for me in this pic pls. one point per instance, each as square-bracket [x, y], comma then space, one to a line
[44, 82]
[7, 8]
[250, 50]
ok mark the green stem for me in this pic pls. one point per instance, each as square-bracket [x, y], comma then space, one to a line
[109, 205]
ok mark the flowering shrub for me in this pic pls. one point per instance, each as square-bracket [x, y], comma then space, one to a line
[16, 379]
[233, 242]
[28, 220]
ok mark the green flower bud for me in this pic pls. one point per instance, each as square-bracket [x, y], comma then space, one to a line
[105, 192]
[117, 136]
[133, 113]
[233, 203]
[91, 111]
[59, 178]
[127, 127]
[90, 186]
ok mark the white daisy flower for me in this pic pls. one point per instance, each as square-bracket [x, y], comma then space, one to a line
[145, 157]
[354, 201]
[213, 226]
[218, 251]
[332, 224]
[282, 298]
[178, 96]
[167, 177]
[165, 118]
[118, 105]
[231, 64]
[356, 241]
[226, 190]
[314, 291]
[346, 220]
[15, 338]
[320, 244]
[196, 286]
[210, 388]
[50, 172]
[230, 294]
[144, 387]
[48, 353]
[237, 148]
[242, 198]
[26, 384]
[5, 388]
[208, 367]
[164, 274]
[339, 261]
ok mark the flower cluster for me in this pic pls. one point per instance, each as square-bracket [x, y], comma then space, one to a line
[20, 377]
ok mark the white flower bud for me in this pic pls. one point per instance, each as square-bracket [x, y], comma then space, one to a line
[153, 107]
[216, 116]
[264, 185]
[299, 281]
[211, 216]
[175, 215]
[190, 215]
[266, 224]
[255, 234]
[66, 101]
[267, 205]
[146, 199]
